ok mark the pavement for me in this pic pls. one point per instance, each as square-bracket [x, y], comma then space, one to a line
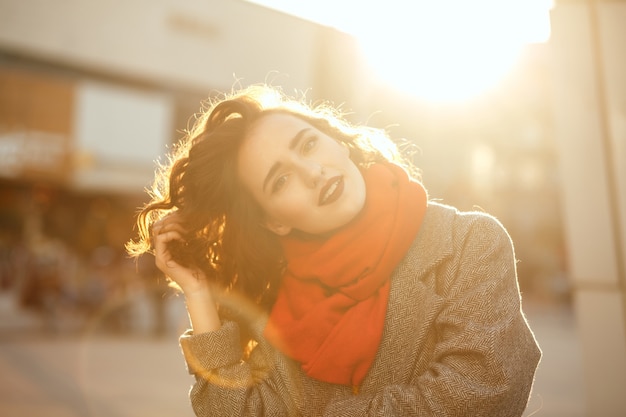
[559, 389]
[56, 372]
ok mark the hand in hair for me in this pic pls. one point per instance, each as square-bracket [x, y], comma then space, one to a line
[167, 239]
[167, 235]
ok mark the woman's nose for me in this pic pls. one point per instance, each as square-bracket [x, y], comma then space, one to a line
[311, 172]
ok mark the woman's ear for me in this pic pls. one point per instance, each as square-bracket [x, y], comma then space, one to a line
[277, 227]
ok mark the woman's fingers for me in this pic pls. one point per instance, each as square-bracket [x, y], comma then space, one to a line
[167, 229]
[166, 224]
[163, 232]
[168, 236]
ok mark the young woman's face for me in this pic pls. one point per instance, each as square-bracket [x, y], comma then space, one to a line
[302, 178]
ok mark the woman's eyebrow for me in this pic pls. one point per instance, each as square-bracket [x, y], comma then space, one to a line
[293, 143]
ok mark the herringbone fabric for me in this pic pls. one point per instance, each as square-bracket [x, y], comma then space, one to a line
[455, 341]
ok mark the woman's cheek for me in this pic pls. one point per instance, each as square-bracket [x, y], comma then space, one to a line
[290, 207]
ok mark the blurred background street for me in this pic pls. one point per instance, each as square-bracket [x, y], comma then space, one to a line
[89, 374]
[513, 107]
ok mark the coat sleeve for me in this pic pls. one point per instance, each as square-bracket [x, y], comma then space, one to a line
[225, 385]
[485, 356]
[265, 384]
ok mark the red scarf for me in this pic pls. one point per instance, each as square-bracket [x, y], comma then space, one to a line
[330, 310]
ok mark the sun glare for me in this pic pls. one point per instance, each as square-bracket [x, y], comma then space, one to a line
[453, 50]
[438, 50]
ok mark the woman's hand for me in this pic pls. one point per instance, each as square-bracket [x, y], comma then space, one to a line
[200, 305]
[164, 232]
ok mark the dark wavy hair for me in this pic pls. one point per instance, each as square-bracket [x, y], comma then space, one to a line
[225, 238]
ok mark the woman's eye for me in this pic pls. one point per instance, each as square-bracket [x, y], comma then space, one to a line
[279, 183]
[309, 144]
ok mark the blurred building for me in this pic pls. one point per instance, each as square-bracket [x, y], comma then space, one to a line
[589, 67]
[92, 93]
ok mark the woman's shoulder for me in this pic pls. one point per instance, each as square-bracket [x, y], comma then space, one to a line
[446, 231]
[444, 219]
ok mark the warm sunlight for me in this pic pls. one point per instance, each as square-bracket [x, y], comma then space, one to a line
[445, 50]
[453, 50]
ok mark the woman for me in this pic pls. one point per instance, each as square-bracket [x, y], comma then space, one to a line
[319, 279]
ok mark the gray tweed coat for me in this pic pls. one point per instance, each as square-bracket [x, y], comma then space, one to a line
[455, 342]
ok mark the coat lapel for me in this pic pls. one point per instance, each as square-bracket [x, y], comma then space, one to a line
[413, 302]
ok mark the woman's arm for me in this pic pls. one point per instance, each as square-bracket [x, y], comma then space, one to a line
[196, 288]
[484, 357]
[226, 385]
[266, 384]
[202, 312]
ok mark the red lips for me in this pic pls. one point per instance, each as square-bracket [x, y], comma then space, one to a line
[331, 191]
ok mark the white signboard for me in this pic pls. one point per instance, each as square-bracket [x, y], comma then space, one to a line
[119, 134]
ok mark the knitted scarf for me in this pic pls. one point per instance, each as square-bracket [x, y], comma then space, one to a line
[330, 310]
